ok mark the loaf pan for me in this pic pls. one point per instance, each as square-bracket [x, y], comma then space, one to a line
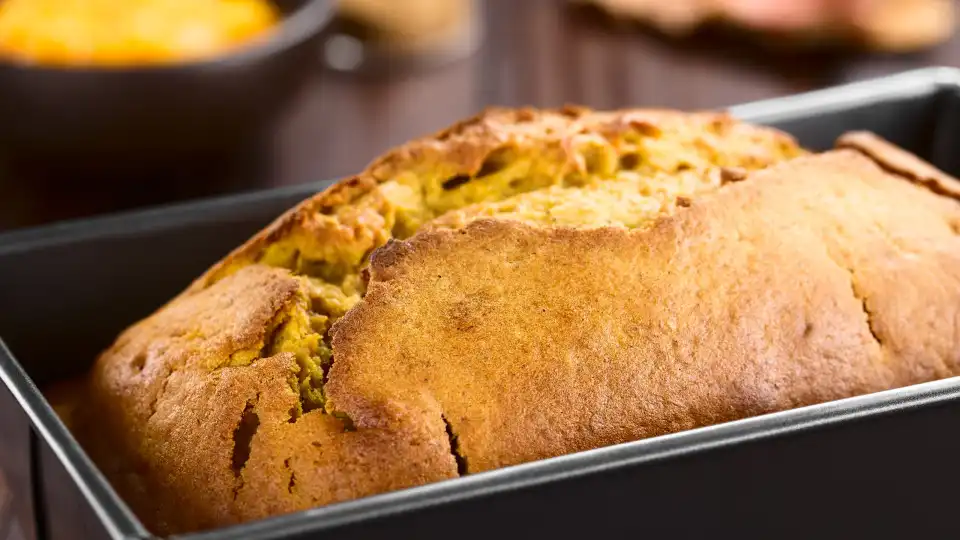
[879, 465]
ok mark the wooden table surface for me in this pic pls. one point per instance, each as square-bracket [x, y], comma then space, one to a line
[535, 52]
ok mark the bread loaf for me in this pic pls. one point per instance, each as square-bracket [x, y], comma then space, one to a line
[542, 282]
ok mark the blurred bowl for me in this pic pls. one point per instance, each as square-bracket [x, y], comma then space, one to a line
[152, 113]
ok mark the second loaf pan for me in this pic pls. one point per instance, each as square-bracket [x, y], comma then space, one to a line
[879, 465]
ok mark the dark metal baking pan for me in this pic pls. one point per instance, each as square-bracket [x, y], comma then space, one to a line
[880, 465]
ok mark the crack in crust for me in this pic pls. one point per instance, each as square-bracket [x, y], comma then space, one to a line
[861, 298]
[462, 468]
[292, 483]
[243, 440]
[902, 163]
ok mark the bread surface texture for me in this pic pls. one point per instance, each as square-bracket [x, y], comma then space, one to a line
[819, 279]
[523, 285]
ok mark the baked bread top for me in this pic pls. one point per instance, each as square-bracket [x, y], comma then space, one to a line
[814, 280]
[216, 409]
[495, 162]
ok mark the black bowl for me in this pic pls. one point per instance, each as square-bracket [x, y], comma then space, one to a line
[155, 114]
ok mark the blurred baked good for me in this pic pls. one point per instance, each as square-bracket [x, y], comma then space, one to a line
[403, 28]
[886, 25]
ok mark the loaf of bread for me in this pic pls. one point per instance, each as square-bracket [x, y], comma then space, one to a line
[523, 285]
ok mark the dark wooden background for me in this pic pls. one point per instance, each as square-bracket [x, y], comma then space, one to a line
[534, 52]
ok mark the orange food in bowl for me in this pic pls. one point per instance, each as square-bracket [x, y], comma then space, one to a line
[128, 32]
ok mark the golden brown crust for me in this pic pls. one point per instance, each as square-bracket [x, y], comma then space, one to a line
[151, 376]
[195, 413]
[193, 442]
[819, 279]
